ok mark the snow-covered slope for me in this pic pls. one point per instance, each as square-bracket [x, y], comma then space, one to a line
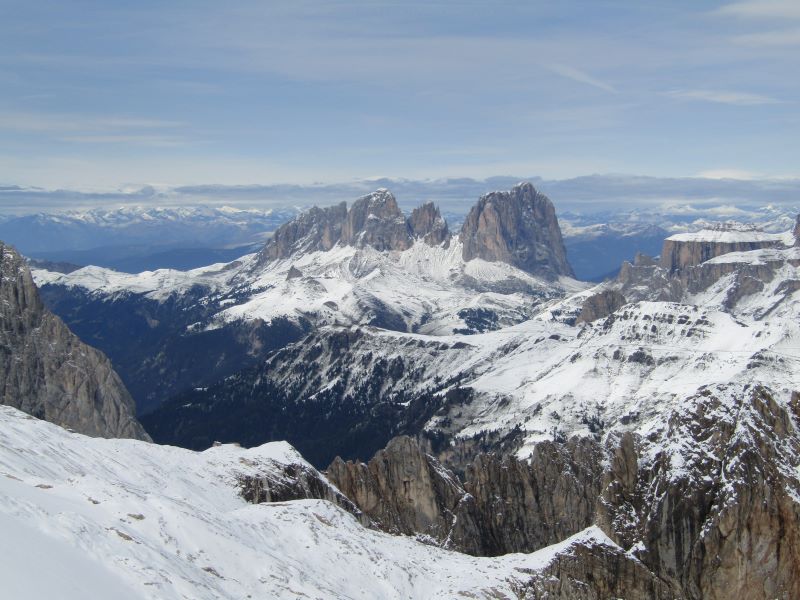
[87, 518]
[425, 288]
[731, 320]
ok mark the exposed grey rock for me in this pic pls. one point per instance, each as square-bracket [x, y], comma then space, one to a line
[716, 514]
[313, 230]
[427, 223]
[598, 572]
[600, 305]
[294, 482]
[519, 228]
[46, 371]
[402, 489]
[677, 255]
[294, 273]
[375, 220]
[797, 231]
[505, 505]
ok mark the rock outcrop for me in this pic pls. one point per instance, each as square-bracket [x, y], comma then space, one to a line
[427, 224]
[715, 510]
[314, 230]
[705, 507]
[600, 305]
[287, 482]
[796, 231]
[505, 505]
[373, 220]
[690, 249]
[46, 371]
[402, 489]
[519, 228]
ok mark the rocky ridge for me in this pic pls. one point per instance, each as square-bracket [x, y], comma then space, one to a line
[46, 371]
[709, 505]
[373, 220]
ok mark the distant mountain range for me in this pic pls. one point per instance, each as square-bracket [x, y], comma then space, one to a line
[643, 433]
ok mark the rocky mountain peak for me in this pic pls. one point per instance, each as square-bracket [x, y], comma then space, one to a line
[314, 230]
[518, 227]
[427, 223]
[375, 220]
[47, 372]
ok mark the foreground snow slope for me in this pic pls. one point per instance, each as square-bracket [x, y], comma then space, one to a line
[91, 518]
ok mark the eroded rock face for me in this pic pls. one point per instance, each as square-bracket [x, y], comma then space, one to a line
[294, 482]
[598, 572]
[426, 223]
[373, 220]
[403, 490]
[46, 371]
[504, 506]
[677, 254]
[705, 507]
[519, 228]
[600, 305]
[315, 229]
[716, 513]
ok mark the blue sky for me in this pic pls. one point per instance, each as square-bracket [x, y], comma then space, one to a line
[111, 94]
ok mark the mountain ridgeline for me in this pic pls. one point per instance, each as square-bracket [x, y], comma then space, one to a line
[518, 227]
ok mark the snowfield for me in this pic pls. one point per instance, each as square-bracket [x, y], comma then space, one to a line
[92, 518]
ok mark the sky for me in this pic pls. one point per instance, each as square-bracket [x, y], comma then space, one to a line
[116, 95]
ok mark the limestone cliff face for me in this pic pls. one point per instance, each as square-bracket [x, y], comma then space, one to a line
[427, 224]
[373, 220]
[715, 515]
[315, 229]
[600, 305]
[519, 228]
[46, 371]
[402, 489]
[684, 251]
[796, 231]
[704, 508]
[505, 505]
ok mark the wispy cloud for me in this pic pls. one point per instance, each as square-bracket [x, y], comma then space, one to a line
[579, 76]
[139, 140]
[784, 37]
[56, 122]
[724, 97]
[762, 9]
[738, 174]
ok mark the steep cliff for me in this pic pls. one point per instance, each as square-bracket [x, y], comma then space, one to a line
[315, 229]
[690, 249]
[373, 220]
[600, 305]
[706, 505]
[47, 371]
[427, 223]
[519, 228]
